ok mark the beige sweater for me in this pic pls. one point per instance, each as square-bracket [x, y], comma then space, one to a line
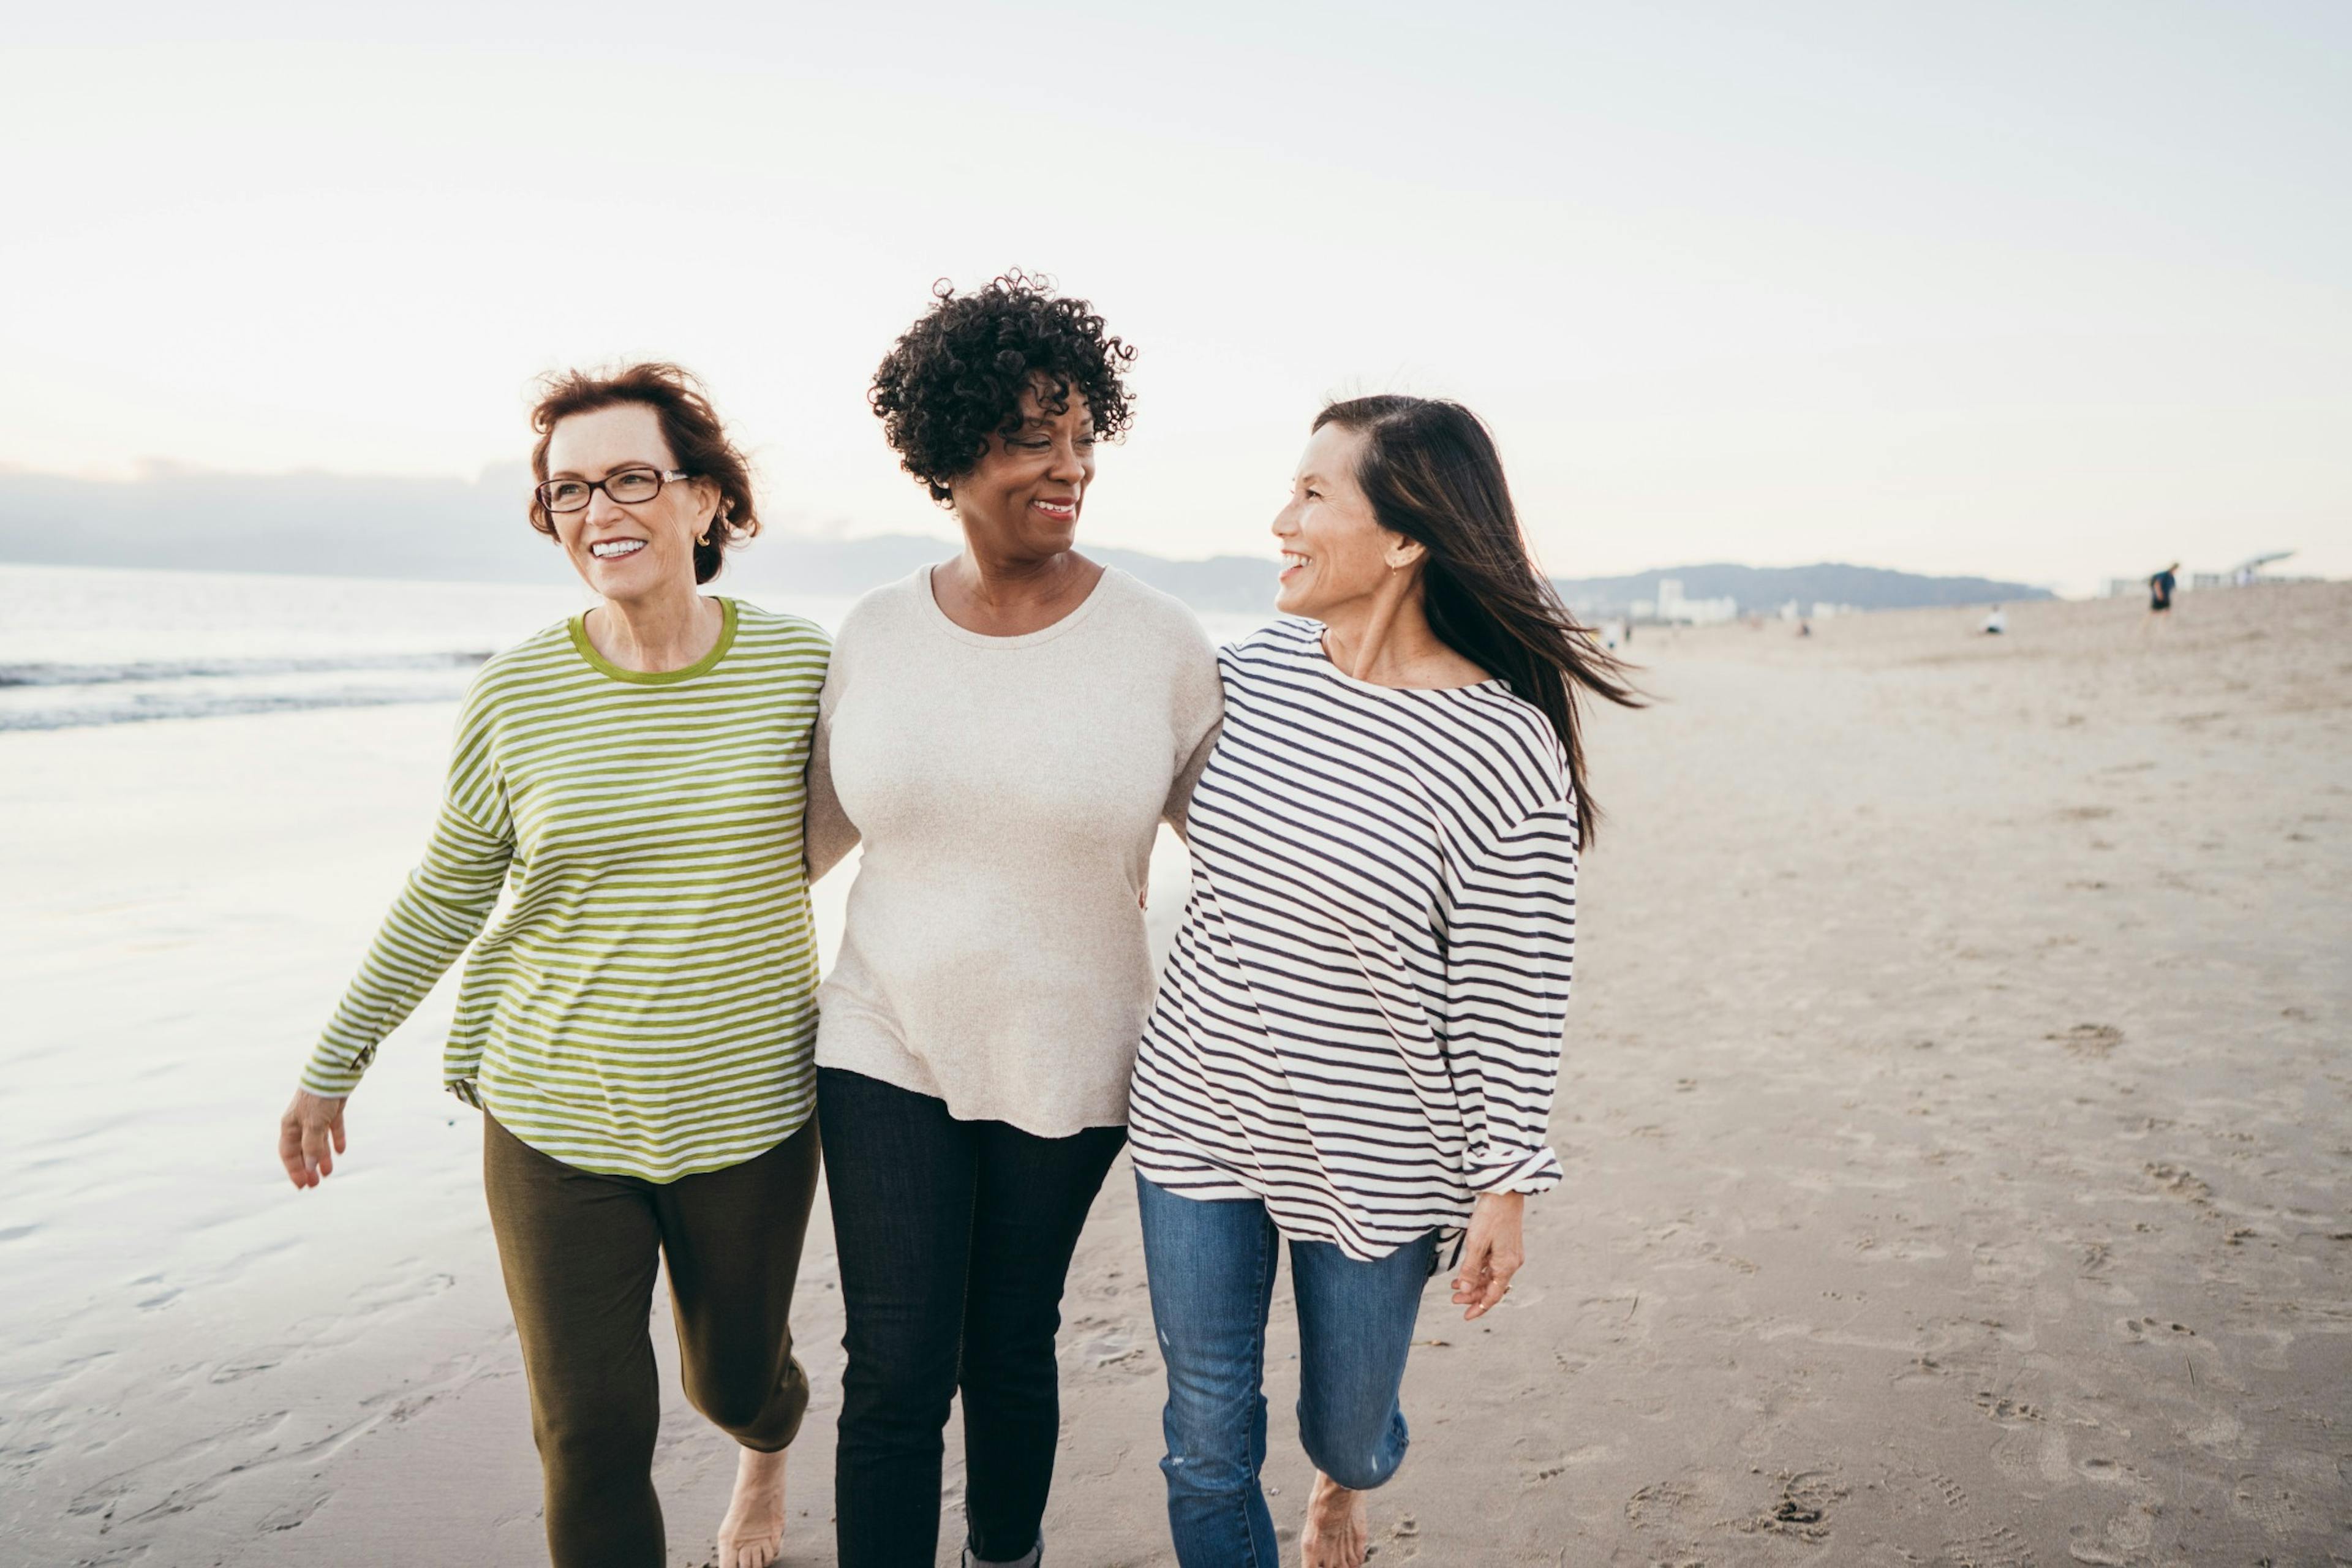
[1007, 790]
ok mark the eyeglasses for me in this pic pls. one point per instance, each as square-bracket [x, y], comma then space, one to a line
[628, 485]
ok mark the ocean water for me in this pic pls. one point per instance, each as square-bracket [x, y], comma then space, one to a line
[83, 646]
[90, 646]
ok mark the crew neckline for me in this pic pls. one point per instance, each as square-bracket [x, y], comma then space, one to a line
[702, 666]
[946, 623]
[1322, 656]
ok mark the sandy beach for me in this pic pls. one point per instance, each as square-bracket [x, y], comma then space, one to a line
[1957, 1117]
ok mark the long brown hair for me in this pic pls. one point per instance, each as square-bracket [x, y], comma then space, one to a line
[1432, 473]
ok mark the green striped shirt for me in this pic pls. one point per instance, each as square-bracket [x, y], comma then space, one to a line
[647, 1004]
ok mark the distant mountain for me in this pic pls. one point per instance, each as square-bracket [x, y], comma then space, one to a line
[333, 525]
[449, 531]
[462, 530]
[1761, 589]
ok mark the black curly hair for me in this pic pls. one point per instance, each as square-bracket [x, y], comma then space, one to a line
[956, 378]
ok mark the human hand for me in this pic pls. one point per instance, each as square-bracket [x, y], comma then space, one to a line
[1491, 1253]
[310, 1125]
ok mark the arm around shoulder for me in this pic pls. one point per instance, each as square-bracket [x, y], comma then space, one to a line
[827, 834]
[1197, 713]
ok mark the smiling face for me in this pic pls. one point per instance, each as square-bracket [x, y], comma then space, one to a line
[1335, 553]
[1021, 500]
[636, 552]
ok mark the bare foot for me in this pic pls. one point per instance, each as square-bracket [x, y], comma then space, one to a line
[753, 1533]
[1336, 1534]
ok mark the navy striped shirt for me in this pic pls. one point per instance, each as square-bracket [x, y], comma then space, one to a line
[1359, 1024]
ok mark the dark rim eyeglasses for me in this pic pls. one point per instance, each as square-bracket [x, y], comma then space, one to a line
[630, 486]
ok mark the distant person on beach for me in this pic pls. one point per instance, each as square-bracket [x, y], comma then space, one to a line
[1004, 733]
[638, 1028]
[2160, 594]
[1996, 624]
[1358, 1033]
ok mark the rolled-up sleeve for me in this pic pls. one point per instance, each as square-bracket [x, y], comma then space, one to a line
[1509, 956]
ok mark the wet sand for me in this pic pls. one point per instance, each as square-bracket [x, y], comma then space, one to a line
[1957, 1117]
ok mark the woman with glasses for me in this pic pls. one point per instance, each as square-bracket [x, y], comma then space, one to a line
[638, 1026]
[1004, 731]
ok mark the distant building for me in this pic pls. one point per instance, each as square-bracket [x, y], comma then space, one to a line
[2246, 573]
[1674, 610]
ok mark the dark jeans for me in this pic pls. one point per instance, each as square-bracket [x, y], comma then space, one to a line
[1211, 1266]
[580, 1252]
[955, 1237]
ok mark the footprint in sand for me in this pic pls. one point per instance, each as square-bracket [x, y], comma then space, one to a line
[1110, 1343]
[2120, 1542]
[1996, 1549]
[2006, 1411]
[2267, 1504]
[2089, 1040]
[1904, 1480]
[2032, 1454]
[1401, 1542]
[2142, 1330]
[1663, 1506]
[1551, 1470]
[1801, 1510]
[2180, 1183]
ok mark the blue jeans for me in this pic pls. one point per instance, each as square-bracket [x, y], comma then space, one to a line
[1211, 1267]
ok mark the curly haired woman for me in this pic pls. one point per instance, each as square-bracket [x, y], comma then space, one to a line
[1004, 731]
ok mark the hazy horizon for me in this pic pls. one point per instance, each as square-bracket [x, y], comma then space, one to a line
[2049, 293]
[167, 517]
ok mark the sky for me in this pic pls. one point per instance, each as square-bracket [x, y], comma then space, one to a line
[2049, 292]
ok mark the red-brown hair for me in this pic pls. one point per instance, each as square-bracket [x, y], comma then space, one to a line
[698, 444]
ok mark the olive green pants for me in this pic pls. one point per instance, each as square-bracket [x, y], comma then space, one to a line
[580, 1252]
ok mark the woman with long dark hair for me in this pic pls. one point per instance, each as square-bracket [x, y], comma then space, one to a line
[1358, 1033]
